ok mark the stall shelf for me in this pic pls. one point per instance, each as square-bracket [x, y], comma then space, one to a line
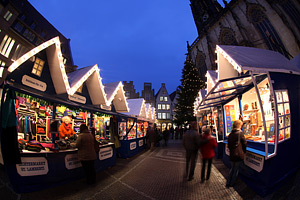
[259, 87]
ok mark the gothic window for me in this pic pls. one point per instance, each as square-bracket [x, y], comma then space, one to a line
[292, 11]
[227, 37]
[201, 64]
[257, 16]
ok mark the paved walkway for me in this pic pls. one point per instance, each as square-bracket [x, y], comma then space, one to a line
[149, 175]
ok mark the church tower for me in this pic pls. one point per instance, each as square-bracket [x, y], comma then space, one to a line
[205, 12]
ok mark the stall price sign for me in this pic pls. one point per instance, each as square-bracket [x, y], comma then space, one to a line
[72, 162]
[132, 145]
[141, 143]
[105, 153]
[254, 161]
[32, 166]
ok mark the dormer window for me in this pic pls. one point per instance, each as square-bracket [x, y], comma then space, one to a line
[38, 67]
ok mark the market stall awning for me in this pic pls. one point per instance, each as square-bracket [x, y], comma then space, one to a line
[227, 89]
[236, 59]
[115, 94]
[91, 76]
[136, 107]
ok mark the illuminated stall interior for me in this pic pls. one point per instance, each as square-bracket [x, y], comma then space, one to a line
[244, 92]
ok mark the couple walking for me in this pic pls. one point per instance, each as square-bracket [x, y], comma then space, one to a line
[192, 142]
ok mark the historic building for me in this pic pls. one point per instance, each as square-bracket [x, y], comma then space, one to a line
[130, 91]
[148, 94]
[266, 24]
[163, 108]
[23, 28]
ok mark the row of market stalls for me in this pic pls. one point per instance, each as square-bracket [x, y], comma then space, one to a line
[260, 87]
[37, 93]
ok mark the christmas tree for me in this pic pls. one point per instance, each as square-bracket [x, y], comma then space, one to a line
[191, 83]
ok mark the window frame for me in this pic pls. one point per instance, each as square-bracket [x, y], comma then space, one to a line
[283, 115]
[36, 66]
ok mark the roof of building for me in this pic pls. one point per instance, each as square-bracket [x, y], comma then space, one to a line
[172, 95]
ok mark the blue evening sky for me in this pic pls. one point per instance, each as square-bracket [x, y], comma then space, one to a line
[130, 40]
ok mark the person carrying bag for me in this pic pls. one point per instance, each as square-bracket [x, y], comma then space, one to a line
[237, 148]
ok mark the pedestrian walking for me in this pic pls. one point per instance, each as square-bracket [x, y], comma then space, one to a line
[172, 132]
[208, 153]
[191, 142]
[152, 137]
[237, 148]
[176, 133]
[87, 153]
[166, 136]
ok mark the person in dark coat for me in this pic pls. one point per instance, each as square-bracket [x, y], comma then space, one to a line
[235, 138]
[208, 153]
[166, 136]
[191, 142]
[86, 153]
[152, 137]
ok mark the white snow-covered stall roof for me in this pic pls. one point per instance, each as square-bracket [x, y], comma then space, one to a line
[252, 59]
[296, 61]
[153, 113]
[136, 107]
[91, 76]
[201, 94]
[115, 94]
[55, 61]
[212, 79]
[148, 110]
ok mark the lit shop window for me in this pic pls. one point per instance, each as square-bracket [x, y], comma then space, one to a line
[38, 67]
[158, 106]
[164, 115]
[284, 116]
[163, 106]
[161, 98]
[8, 15]
[159, 115]
[2, 65]
[168, 115]
[168, 106]
[6, 45]
[166, 98]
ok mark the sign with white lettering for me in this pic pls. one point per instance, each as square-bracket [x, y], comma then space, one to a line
[77, 98]
[132, 145]
[254, 161]
[34, 83]
[105, 107]
[105, 153]
[32, 166]
[141, 143]
[72, 162]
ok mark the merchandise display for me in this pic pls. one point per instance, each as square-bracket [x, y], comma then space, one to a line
[35, 117]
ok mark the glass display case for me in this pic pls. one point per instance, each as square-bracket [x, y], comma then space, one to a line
[131, 125]
[140, 129]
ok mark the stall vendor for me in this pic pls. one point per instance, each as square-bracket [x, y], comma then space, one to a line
[65, 129]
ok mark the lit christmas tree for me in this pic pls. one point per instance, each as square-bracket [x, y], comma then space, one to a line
[191, 83]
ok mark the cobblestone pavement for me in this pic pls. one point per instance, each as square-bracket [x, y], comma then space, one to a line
[151, 175]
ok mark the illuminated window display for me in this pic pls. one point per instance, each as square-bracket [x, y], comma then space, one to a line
[284, 117]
